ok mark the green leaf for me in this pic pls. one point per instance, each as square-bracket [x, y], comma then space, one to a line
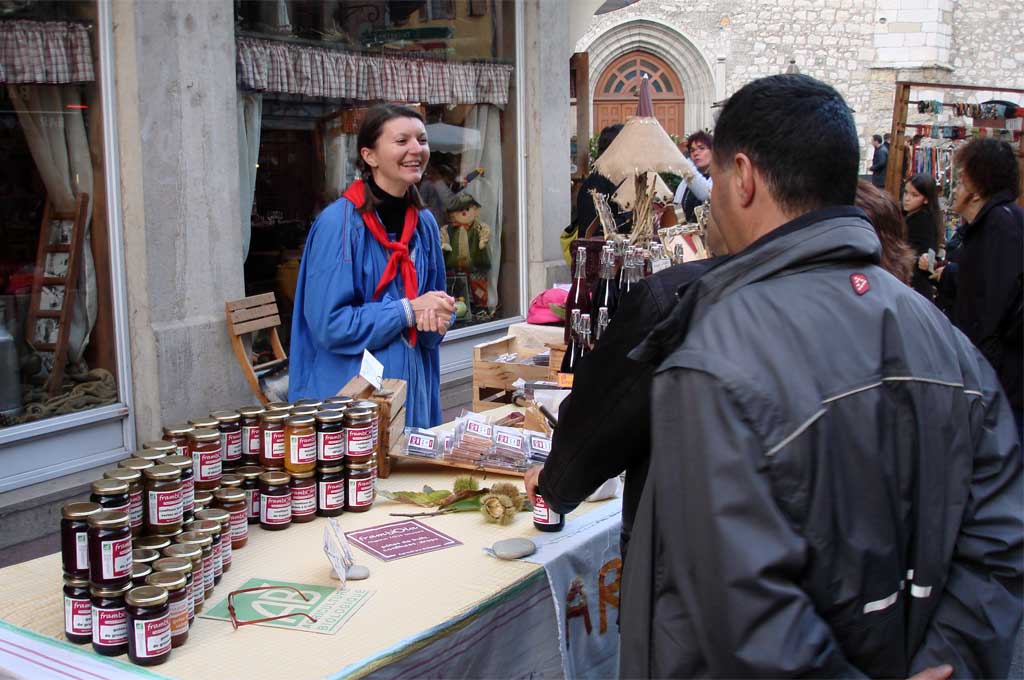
[557, 310]
[422, 499]
[466, 505]
[427, 489]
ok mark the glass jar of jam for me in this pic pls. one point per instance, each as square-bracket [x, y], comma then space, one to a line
[222, 517]
[188, 484]
[252, 441]
[139, 574]
[161, 445]
[109, 619]
[359, 442]
[155, 543]
[164, 504]
[178, 435]
[204, 423]
[134, 463]
[330, 491]
[362, 488]
[300, 442]
[233, 501]
[134, 480]
[275, 500]
[330, 437]
[229, 425]
[278, 406]
[111, 494]
[544, 518]
[149, 625]
[154, 457]
[144, 555]
[176, 586]
[307, 403]
[231, 480]
[300, 411]
[250, 475]
[203, 500]
[303, 487]
[74, 539]
[374, 409]
[110, 548]
[337, 402]
[77, 610]
[204, 446]
[204, 543]
[211, 528]
[193, 556]
[272, 430]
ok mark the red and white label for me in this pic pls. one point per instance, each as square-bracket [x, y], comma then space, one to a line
[276, 509]
[231, 445]
[330, 445]
[164, 507]
[207, 465]
[860, 283]
[304, 500]
[127, 507]
[218, 559]
[152, 637]
[199, 585]
[191, 597]
[77, 616]
[509, 440]
[135, 510]
[481, 429]
[226, 551]
[188, 494]
[239, 525]
[360, 492]
[302, 449]
[540, 444]
[178, 615]
[209, 573]
[116, 558]
[182, 449]
[109, 626]
[81, 550]
[359, 440]
[251, 442]
[252, 499]
[332, 494]
[542, 514]
[273, 444]
[421, 441]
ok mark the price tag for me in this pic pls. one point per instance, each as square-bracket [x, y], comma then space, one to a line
[371, 370]
[337, 550]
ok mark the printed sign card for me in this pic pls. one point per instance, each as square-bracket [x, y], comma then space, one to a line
[394, 541]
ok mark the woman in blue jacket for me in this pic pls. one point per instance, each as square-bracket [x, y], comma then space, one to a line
[373, 277]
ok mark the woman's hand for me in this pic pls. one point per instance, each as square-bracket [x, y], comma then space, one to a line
[922, 262]
[433, 311]
[937, 276]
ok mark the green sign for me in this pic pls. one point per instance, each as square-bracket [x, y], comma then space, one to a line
[331, 607]
[408, 34]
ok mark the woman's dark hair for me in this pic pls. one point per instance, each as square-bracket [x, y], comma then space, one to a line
[991, 165]
[700, 137]
[771, 120]
[369, 132]
[925, 185]
[608, 136]
[887, 219]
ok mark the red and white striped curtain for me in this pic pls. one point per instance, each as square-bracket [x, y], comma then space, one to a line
[44, 53]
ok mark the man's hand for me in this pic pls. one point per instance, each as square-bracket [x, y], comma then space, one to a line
[937, 276]
[530, 481]
[934, 673]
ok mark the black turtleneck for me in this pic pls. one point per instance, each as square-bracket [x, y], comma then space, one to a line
[390, 210]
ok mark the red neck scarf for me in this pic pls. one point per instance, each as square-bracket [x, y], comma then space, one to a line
[399, 261]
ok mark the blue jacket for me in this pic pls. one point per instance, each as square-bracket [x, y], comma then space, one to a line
[336, 317]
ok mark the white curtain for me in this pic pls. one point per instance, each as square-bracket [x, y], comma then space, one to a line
[339, 160]
[486, 189]
[51, 119]
[250, 116]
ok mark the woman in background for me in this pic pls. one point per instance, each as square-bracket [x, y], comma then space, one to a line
[924, 227]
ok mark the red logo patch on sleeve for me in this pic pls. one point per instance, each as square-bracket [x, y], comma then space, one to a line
[860, 283]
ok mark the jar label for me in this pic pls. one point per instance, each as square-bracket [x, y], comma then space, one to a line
[218, 559]
[135, 510]
[302, 449]
[330, 445]
[190, 596]
[252, 497]
[226, 551]
[178, 615]
[251, 440]
[359, 439]
[208, 572]
[304, 500]
[199, 585]
[109, 626]
[276, 509]
[542, 514]
[77, 616]
[165, 507]
[206, 465]
[332, 494]
[188, 495]
[116, 558]
[127, 507]
[182, 449]
[360, 492]
[81, 550]
[239, 525]
[152, 637]
[273, 444]
[231, 445]
[509, 440]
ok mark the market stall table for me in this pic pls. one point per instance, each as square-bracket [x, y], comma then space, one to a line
[441, 606]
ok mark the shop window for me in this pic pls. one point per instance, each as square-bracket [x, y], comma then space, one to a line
[305, 81]
[57, 342]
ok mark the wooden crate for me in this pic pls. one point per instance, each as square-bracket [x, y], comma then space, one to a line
[391, 424]
[557, 353]
[493, 379]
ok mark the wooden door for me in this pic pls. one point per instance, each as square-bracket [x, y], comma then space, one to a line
[615, 96]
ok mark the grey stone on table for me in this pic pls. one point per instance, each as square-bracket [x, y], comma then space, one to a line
[357, 572]
[513, 548]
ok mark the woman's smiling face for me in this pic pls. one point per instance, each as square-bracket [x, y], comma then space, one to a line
[400, 155]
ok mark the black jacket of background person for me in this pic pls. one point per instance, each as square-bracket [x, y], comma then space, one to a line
[922, 235]
[984, 280]
[604, 424]
[585, 210]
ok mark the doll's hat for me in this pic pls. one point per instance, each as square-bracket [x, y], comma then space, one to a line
[461, 201]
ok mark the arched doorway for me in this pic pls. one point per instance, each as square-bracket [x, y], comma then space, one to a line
[615, 96]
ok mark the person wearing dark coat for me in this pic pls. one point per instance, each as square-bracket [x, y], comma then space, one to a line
[586, 212]
[924, 225]
[835, 485]
[879, 161]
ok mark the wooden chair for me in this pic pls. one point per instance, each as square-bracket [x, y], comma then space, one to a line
[246, 316]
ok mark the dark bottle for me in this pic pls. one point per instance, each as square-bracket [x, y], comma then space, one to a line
[606, 292]
[602, 324]
[579, 294]
[630, 274]
[544, 518]
[571, 350]
[583, 343]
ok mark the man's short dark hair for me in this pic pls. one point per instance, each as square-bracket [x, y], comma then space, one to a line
[608, 136]
[799, 134]
[886, 137]
[991, 165]
[700, 137]
[876, 138]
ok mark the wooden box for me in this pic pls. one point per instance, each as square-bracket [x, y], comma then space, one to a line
[493, 379]
[391, 425]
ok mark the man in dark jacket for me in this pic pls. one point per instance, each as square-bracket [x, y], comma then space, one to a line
[835, 485]
[879, 162]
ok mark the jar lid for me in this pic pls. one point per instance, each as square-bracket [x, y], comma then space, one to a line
[331, 416]
[144, 556]
[359, 467]
[229, 495]
[76, 581]
[304, 411]
[109, 519]
[151, 454]
[330, 469]
[275, 477]
[135, 464]
[366, 403]
[123, 474]
[203, 497]
[183, 551]
[308, 402]
[274, 416]
[162, 473]
[160, 445]
[249, 471]
[303, 475]
[181, 462]
[177, 564]
[140, 570]
[216, 514]
[110, 591]
[206, 526]
[80, 510]
[107, 487]
[146, 596]
[204, 423]
[226, 416]
[230, 480]
[151, 542]
[178, 429]
[277, 406]
[168, 580]
[358, 412]
[300, 421]
[205, 435]
[194, 538]
[251, 410]
[340, 399]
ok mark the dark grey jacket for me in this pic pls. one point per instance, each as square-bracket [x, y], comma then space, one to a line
[835, 485]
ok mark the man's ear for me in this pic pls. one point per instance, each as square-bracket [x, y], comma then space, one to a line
[745, 178]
